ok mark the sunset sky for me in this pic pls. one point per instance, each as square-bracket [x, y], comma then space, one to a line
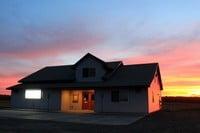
[38, 33]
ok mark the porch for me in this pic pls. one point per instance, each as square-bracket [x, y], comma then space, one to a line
[77, 101]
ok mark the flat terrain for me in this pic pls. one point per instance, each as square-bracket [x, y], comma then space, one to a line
[79, 117]
[180, 103]
[185, 121]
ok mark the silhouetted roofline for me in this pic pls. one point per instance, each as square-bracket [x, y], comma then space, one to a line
[117, 74]
[89, 55]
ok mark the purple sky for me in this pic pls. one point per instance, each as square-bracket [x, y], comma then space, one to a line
[36, 33]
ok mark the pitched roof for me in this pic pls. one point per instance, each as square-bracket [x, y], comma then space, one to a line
[88, 55]
[65, 73]
[117, 75]
[54, 73]
[113, 65]
[141, 74]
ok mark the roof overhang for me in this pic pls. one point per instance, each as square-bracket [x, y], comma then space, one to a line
[72, 86]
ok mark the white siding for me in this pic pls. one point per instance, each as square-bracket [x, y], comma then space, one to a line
[50, 100]
[154, 96]
[137, 102]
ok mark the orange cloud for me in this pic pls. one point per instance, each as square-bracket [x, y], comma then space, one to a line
[179, 67]
[7, 81]
[179, 64]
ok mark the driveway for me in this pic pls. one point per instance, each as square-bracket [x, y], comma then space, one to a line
[87, 118]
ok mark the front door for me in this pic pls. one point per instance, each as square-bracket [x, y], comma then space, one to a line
[88, 101]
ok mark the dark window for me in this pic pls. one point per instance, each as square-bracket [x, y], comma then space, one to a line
[115, 96]
[119, 96]
[123, 96]
[89, 72]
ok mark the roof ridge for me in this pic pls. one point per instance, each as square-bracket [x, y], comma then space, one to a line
[58, 66]
[153, 63]
[112, 61]
[89, 55]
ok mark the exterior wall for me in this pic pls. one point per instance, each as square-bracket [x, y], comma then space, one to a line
[50, 100]
[137, 101]
[65, 100]
[67, 103]
[89, 62]
[154, 96]
[54, 100]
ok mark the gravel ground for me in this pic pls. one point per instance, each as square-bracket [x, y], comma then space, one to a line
[185, 121]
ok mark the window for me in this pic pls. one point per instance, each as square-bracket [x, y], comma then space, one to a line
[115, 96]
[119, 96]
[75, 98]
[88, 72]
[152, 97]
[33, 94]
[123, 96]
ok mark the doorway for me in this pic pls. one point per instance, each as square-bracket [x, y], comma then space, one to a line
[87, 100]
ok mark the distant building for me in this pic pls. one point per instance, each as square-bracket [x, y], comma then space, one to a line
[91, 84]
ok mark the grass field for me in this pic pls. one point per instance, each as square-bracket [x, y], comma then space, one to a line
[180, 103]
[181, 99]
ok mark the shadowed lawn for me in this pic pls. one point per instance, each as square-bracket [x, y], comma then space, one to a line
[4, 101]
[175, 121]
[185, 121]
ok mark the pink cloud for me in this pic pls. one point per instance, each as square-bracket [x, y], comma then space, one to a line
[179, 57]
[6, 82]
[50, 40]
[181, 61]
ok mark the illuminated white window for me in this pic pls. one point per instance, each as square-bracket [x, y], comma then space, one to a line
[33, 94]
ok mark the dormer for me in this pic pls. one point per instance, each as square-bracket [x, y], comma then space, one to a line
[90, 68]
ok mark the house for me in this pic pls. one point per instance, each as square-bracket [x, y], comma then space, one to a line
[91, 84]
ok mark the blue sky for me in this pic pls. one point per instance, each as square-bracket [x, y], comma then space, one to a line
[36, 33]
